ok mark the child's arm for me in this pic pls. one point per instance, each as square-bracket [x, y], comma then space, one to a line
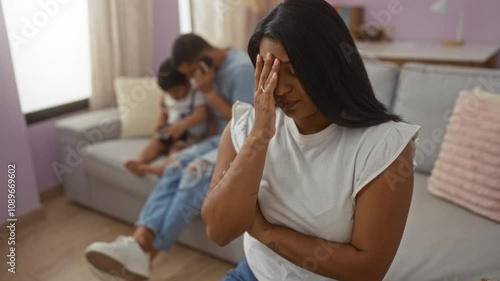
[199, 115]
[163, 116]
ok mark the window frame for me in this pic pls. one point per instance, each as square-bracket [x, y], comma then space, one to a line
[55, 111]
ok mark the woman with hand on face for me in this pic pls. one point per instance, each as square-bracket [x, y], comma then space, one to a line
[317, 175]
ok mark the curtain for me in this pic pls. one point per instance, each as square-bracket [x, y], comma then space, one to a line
[225, 23]
[260, 6]
[121, 44]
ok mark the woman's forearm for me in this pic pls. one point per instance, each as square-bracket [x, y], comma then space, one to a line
[333, 260]
[229, 206]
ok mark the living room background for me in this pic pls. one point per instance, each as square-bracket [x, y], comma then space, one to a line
[415, 22]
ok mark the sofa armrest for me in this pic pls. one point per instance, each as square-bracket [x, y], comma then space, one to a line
[93, 126]
[73, 134]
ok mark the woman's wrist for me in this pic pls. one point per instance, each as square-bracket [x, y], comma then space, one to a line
[261, 135]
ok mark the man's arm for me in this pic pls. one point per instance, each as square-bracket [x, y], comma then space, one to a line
[203, 81]
[163, 115]
[217, 101]
[241, 87]
[199, 115]
[379, 222]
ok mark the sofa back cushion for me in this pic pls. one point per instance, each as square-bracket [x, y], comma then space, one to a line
[138, 100]
[467, 171]
[383, 77]
[426, 95]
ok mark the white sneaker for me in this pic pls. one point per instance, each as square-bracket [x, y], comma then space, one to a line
[123, 258]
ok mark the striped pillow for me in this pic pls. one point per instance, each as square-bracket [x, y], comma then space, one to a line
[467, 171]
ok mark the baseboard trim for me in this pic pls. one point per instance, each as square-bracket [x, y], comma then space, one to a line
[51, 193]
[27, 219]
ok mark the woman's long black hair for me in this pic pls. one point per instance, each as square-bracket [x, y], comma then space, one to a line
[325, 59]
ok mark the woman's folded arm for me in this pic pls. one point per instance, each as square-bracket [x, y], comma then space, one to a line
[229, 207]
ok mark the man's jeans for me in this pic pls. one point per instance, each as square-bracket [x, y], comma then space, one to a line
[177, 198]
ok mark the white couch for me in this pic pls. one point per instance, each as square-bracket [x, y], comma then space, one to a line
[442, 241]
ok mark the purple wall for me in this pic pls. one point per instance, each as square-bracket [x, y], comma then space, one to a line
[45, 151]
[14, 146]
[43, 141]
[416, 22]
[165, 28]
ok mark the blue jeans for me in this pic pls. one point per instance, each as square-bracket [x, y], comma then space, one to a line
[177, 198]
[241, 273]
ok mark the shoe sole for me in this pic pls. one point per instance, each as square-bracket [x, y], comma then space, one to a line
[112, 267]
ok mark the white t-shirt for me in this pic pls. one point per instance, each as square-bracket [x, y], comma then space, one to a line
[310, 182]
[178, 109]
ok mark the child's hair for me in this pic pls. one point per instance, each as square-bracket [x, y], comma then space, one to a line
[168, 77]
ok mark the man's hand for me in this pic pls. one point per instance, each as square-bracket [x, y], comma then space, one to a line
[204, 78]
[176, 130]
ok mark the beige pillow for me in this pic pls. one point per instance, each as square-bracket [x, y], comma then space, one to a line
[467, 171]
[138, 101]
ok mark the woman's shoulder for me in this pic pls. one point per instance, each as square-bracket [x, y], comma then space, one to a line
[382, 131]
[378, 141]
[379, 146]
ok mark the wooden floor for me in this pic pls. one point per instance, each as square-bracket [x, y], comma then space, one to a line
[53, 249]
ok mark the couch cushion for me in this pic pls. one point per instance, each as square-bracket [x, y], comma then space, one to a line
[445, 242]
[138, 100]
[383, 77]
[467, 171]
[426, 95]
[105, 162]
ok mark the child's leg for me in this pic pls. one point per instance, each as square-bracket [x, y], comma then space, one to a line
[152, 150]
[158, 169]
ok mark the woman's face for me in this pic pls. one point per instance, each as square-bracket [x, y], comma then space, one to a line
[289, 94]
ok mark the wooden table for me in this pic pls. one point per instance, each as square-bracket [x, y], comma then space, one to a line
[470, 54]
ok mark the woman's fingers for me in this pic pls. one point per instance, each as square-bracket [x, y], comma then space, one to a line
[266, 70]
[274, 69]
[258, 71]
[269, 89]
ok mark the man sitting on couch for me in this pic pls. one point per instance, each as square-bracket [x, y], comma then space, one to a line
[223, 76]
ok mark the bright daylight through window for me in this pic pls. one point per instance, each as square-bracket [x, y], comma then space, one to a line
[49, 43]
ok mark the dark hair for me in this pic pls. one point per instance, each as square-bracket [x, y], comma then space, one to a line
[168, 77]
[187, 48]
[325, 59]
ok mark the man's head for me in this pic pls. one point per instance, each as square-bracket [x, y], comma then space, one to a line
[172, 81]
[187, 51]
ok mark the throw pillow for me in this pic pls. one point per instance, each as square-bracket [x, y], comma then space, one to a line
[138, 101]
[467, 171]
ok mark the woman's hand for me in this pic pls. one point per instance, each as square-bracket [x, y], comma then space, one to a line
[266, 79]
[260, 226]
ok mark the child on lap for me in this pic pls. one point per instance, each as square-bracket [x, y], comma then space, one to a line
[182, 121]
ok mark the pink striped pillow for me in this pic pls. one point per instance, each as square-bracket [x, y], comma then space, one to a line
[467, 171]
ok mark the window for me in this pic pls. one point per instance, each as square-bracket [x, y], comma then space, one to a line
[50, 47]
[185, 16]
